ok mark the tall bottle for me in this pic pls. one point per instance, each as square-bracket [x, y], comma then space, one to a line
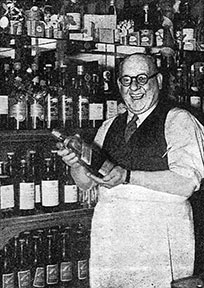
[18, 106]
[90, 156]
[188, 29]
[146, 31]
[112, 8]
[23, 268]
[66, 100]
[73, 12]
[49, 188]
[69, 190]
[7, 268]
[26, 189]
[38, 267]
[51, 264]
[37, 113]
[7, 201]
[195, 96]
[66, 265]
[10, 170]
[51, 102]
[4, 96]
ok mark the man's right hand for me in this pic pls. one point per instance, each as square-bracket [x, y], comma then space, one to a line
[68, 156]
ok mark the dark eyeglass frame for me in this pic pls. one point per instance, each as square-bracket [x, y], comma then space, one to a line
[137, 79]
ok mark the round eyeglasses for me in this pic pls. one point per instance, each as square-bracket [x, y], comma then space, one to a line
[140, 79]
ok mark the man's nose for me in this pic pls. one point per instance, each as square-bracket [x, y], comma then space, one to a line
[134, 85]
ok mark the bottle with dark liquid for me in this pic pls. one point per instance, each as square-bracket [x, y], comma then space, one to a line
[23, 268]
[90, 156]
[146, 30]
[38, 267]
[4, 96]
[7, 268]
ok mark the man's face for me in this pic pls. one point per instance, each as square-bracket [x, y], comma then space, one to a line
[140, 98]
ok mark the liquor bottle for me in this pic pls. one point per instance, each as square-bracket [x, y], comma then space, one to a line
[7, 201]
[96, 106]
[66, 265]
[80, 258]
[200, 34]
[49, 188]
[146, 31]
[37, 113]
[82, 99]
[112, 8]
[73, 13]
[69, 190]
[4, 95]
[35, 170]
[51, 101]
[18, 106]
[90, 156]
[188, 29]
[10, 170]
[195, 96]
[66, 100]
[38, 267]
[7, 268]
[26, 190]
[51, 264]
[26, 235]
[23, 269]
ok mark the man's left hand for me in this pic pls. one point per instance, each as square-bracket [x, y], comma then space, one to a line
[116, 176]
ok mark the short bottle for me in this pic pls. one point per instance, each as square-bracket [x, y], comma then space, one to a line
[38, 267]
[90, 156]
[7, 268]
[23, 268]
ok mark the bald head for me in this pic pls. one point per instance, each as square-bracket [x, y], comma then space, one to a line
[146, 62]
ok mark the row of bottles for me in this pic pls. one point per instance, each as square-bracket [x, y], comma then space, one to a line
[49, 257]
[39, 184]
[51, 97]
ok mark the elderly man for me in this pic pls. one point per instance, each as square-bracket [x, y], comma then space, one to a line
[142, 229]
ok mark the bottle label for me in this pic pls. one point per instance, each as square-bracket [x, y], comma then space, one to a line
[7, 197]
[37, 194]
[195, 101]
[188, 34]
[18, 111]
[4, 105]
[27, 196]
[70, 194]
[24, 279]
[83, 109]
[36, 110]
[75, 21]
[146, 37]
[50, 193]
[39, 278]
[106, 168]
[86, 153]
[8, 280]
[67, 108]
[111, 108]
[52, 110]
[96, 111]
[52, 274]
[66, 271]
[82, 269]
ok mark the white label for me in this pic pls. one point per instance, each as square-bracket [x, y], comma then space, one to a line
[27, 196]
[96, 111]
[188, 34]
[82, 269]
[3, 104]
[7, 196]
[111, 109]
[75, 21]
[50, 193]
[195, 101]
[70, 194]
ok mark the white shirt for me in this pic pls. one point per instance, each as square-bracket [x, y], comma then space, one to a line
[184, 135]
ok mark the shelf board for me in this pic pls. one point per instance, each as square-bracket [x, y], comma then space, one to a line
[11, 227]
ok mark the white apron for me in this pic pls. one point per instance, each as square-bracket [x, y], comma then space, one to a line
[140, 237]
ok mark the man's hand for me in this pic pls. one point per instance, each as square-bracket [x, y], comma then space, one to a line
[68, 156]
[116, 176]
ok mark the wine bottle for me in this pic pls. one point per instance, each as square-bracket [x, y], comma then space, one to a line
[4, 95]
[146, 31]
[23, 269]
[73, 13]
[7, 268]
[90, 156]
[188, 30]
[38, 267]
[112, 8]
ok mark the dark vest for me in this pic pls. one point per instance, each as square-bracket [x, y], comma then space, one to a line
[146, 146]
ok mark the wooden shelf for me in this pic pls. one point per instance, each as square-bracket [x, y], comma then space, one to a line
[11, 227]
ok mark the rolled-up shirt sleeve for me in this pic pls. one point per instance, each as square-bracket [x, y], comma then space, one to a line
[184, 135]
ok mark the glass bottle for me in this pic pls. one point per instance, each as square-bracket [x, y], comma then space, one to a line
[66, 265]
[34, 169]
[7, 201]
[112, 8]
[90, 156]
[73, 14]
[38, 267]
[51, 264]
[23, 269]
[69, 190]
[10, 168]
[188, 29]
[82, 99]
[195, 97]
[37, 101]
[66, 100]
[4, 96]
[26, 190]
[49, 188]
[146, 30]
[7, 268]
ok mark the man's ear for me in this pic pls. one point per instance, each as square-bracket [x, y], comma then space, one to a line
[119, 84]
[160, 80]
